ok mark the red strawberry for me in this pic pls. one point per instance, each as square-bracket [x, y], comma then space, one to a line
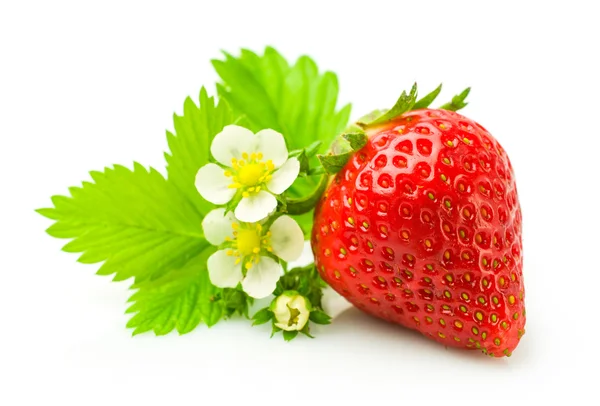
[422, 227]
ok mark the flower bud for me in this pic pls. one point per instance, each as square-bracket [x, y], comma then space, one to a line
[291, 311]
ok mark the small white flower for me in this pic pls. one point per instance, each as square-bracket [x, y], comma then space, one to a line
[291, 311]
[246, 247]
[257, 167]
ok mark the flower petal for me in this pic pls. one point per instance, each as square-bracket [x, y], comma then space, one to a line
[333, 303]
[272, 146]
[299, 303]
[231, 143]
[284, 176]
[280, 309]
[256, 207]
[283, 314]
[213, 185]
[223, 271]
[217, 226]
[306, 258]
[261, 279]
[287, 238]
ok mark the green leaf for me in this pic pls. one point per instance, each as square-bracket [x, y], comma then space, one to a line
[179, 300]
[134, 220]
[357, 140]
[458, 101]
[405, 103]
[319, 317]
[334, 163]
[427, 100]
[262, 316]
[189, 145]
[289, 335]
[296, 100]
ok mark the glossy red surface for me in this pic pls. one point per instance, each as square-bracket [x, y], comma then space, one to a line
[422, 227]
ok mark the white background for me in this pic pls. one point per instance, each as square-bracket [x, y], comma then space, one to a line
[88, 84]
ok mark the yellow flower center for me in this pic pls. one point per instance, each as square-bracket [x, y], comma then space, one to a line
[248, 242]
[250, 173]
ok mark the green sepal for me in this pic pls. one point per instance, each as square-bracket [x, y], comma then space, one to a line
[427, 100]
[313, 148]
[289, 335]
[306, 331]
[458, 101]
[262, 316]
[319, 317]
[304, 162]
[233, 203]
[332, 164]
[303, 156]
[275, 330]
[310, 151]
[404, 103]
[367, 118]
[342, 149]
[236, 301]
[357, 140]
[306, 281]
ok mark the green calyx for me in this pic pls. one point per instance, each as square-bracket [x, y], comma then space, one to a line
[458, 101]
[404, 103]
[344, 146]
[356, 135]
[408, 102]
[357, 140]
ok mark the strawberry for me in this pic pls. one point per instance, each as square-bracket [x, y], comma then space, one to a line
[422, 227]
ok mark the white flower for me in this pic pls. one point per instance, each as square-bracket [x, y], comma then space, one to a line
[305, 259]
[257, 168]
[291, 311]
[244, 256]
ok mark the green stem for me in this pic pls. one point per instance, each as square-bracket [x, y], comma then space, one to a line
[307, 203]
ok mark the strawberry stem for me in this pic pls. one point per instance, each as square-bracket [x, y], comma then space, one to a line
[307, 203]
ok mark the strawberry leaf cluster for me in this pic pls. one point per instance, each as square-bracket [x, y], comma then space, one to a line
[146, 228]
